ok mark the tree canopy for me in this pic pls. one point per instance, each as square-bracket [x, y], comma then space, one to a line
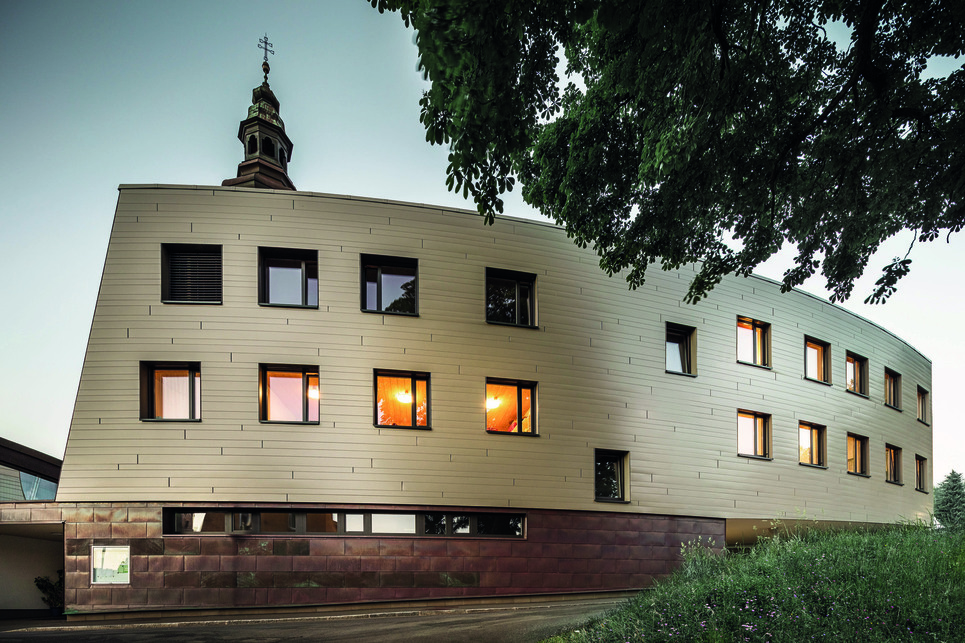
[704, 131]
[950, 501]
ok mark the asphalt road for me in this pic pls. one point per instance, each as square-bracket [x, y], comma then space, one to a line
[519, 624]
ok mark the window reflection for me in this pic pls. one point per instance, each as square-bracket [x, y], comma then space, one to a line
[510, 297]
[389, 284]
[290, 395]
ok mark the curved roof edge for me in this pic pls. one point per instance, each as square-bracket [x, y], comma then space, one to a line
[429, 206]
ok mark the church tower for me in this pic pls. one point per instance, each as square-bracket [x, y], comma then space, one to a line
[268, 149]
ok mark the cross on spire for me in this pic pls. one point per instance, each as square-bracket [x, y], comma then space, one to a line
[267, 46]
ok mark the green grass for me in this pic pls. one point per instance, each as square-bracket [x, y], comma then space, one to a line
[906, 583]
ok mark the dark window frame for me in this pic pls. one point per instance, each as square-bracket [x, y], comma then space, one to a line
[859, 364]
[763, 444]
[893, 464]
[148, 400]
[415, 377]
[379, 263]
[520, 279]
[685, 338]
[520, 385]
[307, 261]
[819, 453]
[619, 460]
[192, 273]
[823, 363]
[480, 524]
[921, 473]
[306, 371]
[761, 350]
[923, 400]
[861, 454]
[892, 389]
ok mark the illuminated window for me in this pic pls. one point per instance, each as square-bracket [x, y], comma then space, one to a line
[190, 274]
[817, 360]
[922, 405]
[510, 297]
[857, 454]
[681, 349]
[390, 285]
[170, 391]
[753, 342]
[510, 406]
[892, 464]
[892, 389]
[811, 444]
[288, 277]
[289, 394]
[921, 473]
[401, 399]
[609, 475]
[856, 373]
[753, 434]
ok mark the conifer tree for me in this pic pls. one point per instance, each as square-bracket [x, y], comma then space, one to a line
[950, 501]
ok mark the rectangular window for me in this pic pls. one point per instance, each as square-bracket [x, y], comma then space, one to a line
[110, 565]
[390, 285]
[753, 341]
[288, 277]
[817, 360]
[921, 473]
[753, 434]
[510, 297]
[922, 405]
[681, 349]
[857, 454]
[289, 394]
[609, 475]
[892, 464]
[401, 399]
[170, 391]
[856, 373]
[811, 444]
[892, 389]
[190, 273]
[510, 406]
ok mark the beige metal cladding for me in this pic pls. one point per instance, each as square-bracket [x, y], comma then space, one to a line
[598, 358]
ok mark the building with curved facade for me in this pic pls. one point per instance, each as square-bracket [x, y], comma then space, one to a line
[292, 398]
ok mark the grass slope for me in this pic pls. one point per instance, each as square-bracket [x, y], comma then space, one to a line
[906, 583]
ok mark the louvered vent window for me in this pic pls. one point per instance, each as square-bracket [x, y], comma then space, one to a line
[190, 274]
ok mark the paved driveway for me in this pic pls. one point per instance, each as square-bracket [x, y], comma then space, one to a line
[511, 624]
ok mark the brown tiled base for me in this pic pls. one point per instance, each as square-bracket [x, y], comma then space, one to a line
[564, 551]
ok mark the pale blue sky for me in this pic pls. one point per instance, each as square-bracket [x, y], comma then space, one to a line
[96, 94]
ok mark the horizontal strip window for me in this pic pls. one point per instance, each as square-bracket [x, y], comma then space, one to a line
[345, 523]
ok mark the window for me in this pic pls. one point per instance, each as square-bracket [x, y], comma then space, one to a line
[921, 474]
[856, 373]
[753, 342]
[922, 405]
[170, 391]
[811, 444]
[401, 399]
[288, 277]
[281, 522]
[857, 454]
[681, 349]
[817, 360]
[510, 297]
[609, 475]
[892, 464]
[289, 394]
[110, 565]
[892, 389]
[510, 406]
[753, 434]
[190, 274]
[390, 285]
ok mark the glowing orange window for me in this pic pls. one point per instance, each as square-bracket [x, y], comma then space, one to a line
[401, 399]
[510, 406]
